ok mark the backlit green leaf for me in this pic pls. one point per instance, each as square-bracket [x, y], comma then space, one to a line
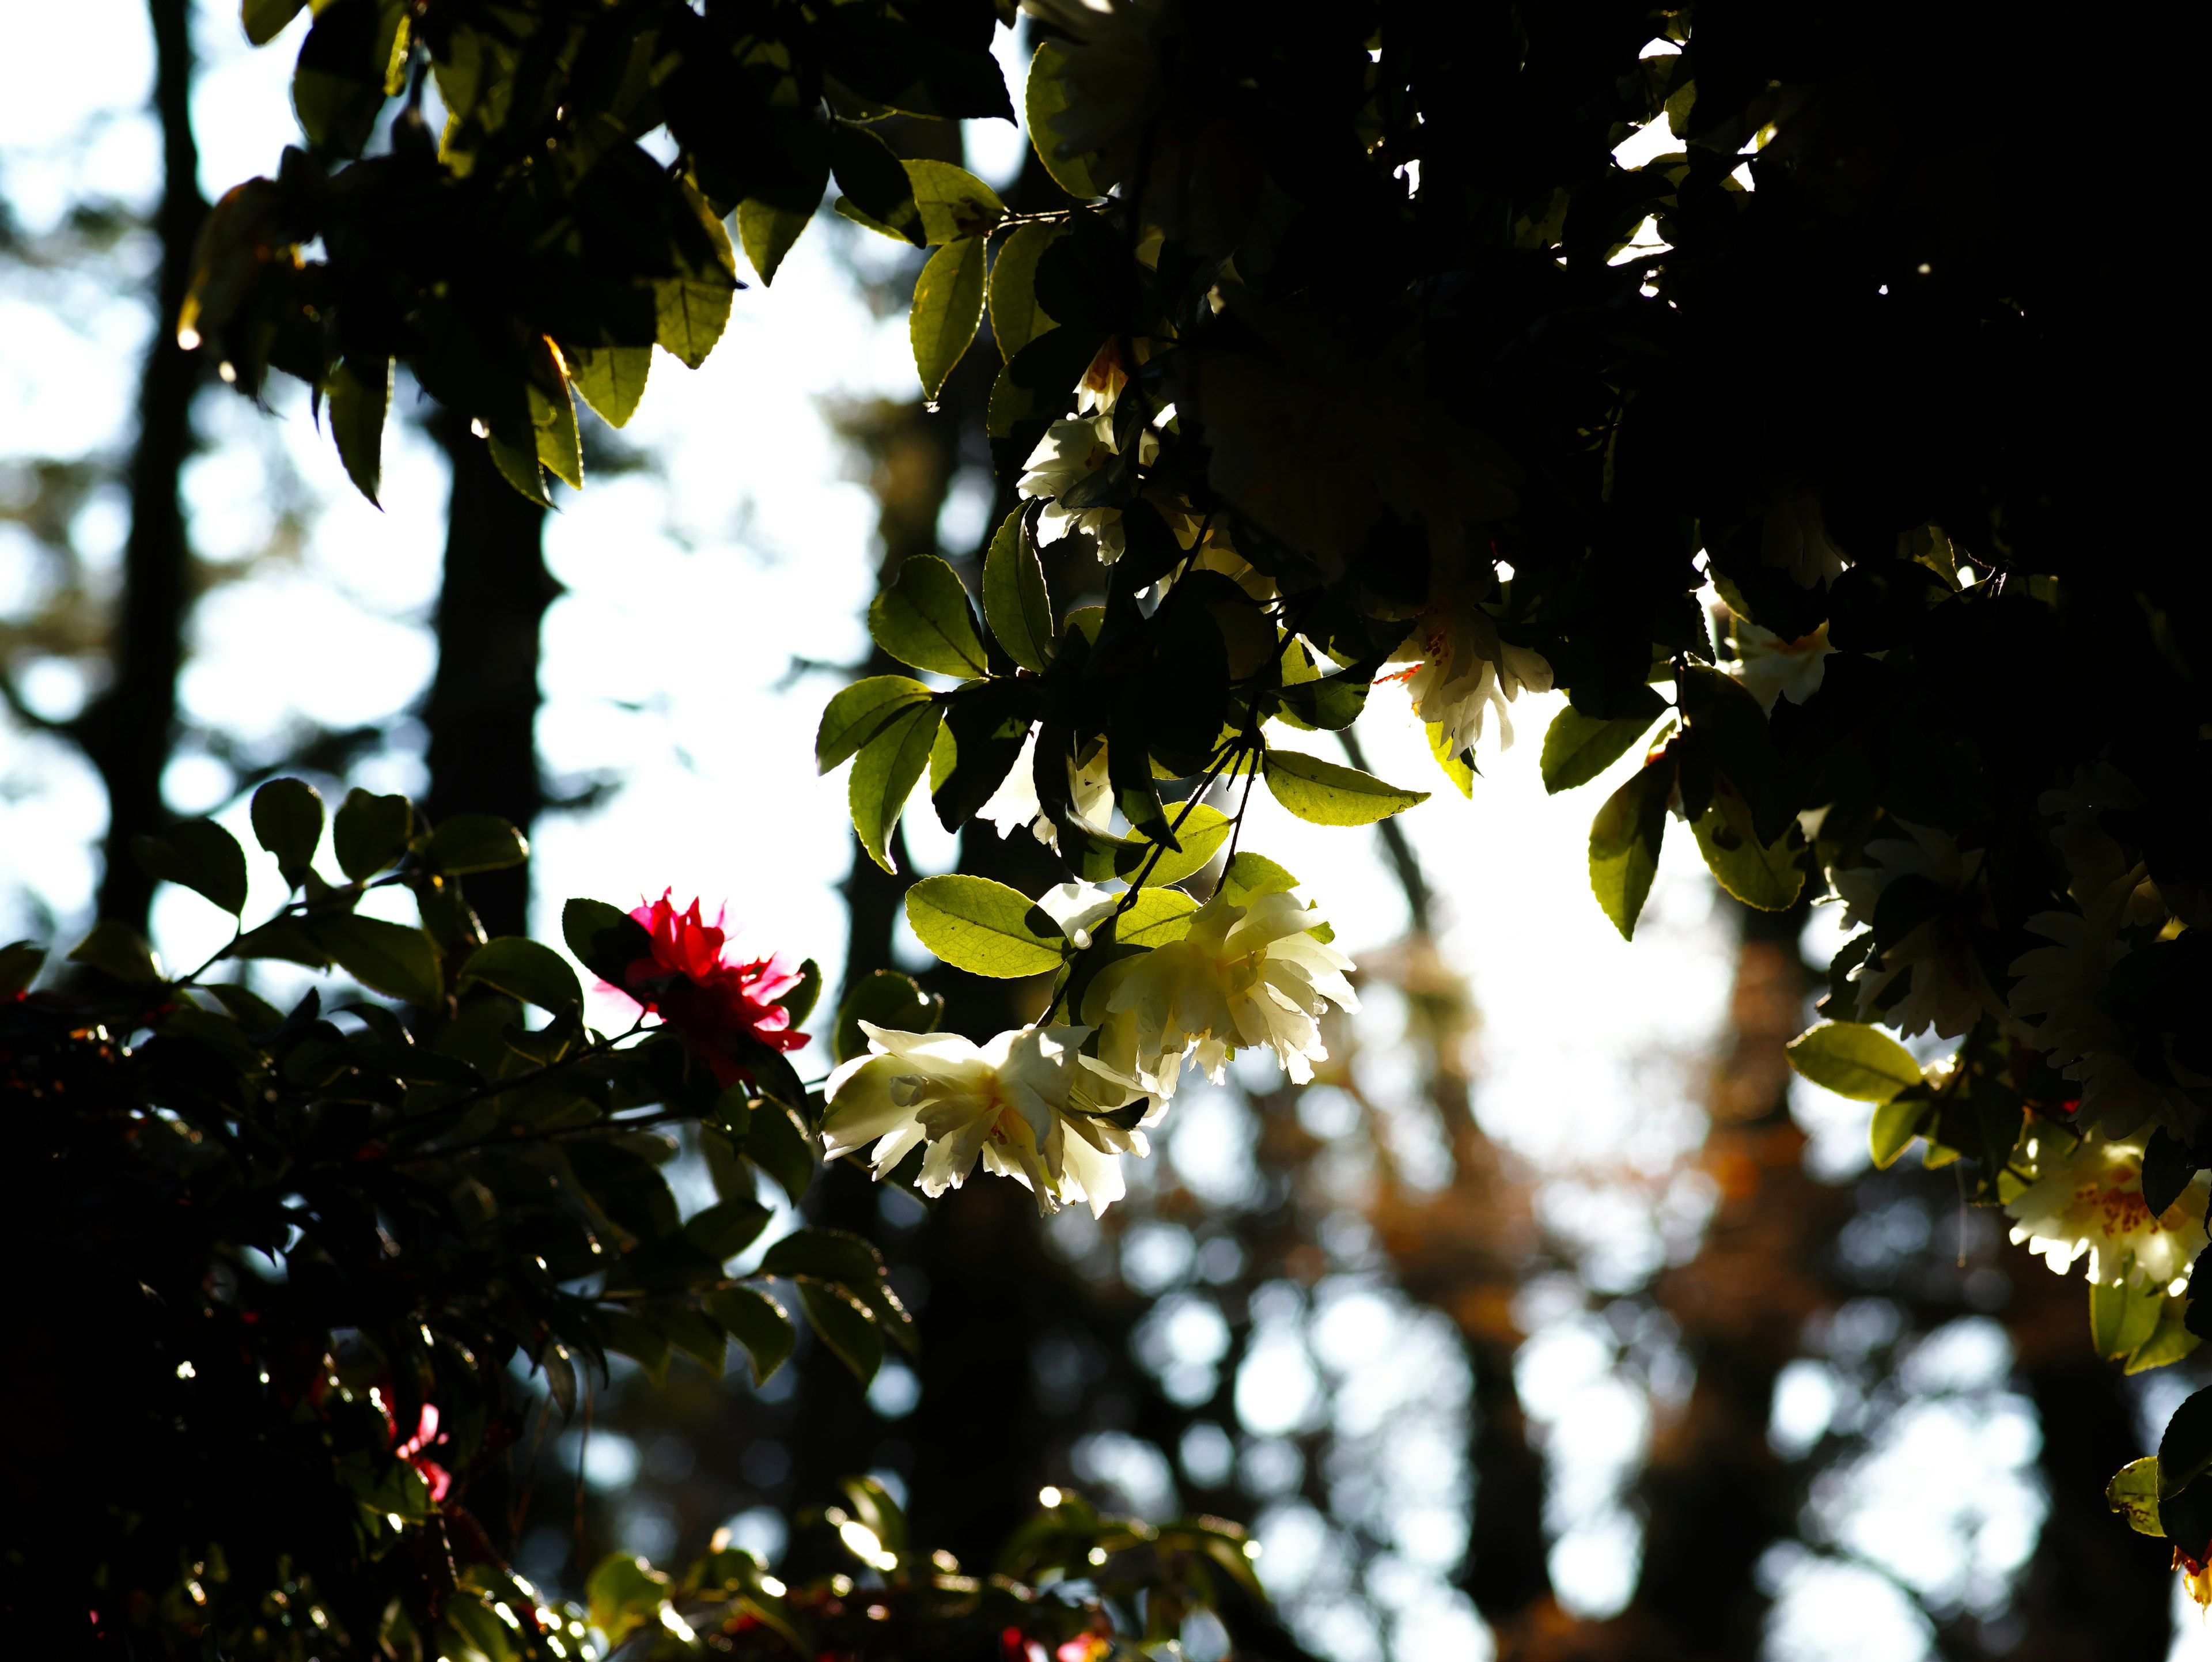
[1330, 794]
[288, 821]
[388, 957]
[984, 927]
[200, 855]
[948, 305]
[1768, 878]
[610, 379]
[265, 19]
[1044, 98]
[884, 776]
[924, 619]
[360, 391]
[1895, 1123]
[1578, 747]
[118, 950]
[1249, 876]
[954, 203]
[861, 711]
[1623, 845]
[768, 232]
[1016, 317]
[1015, 602]
[370, 832]
[477, 843]
[755, 1321]
[846, 1326]
[527, 971]
[1854, 1060]
[884, 998]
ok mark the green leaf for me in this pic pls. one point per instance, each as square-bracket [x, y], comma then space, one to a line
[834, 1255]
[477, 843]
[1016, 604]
[2183, 1454]
[948, 305]
[626, 1594]
[1097, 859]
[1854, 1060]
[985, 723]
[780, 1147]
[625, 1186]
[984, 927]
[1045, 97]
[265, 19]
[878, 192]
[2133, 1492]
[798, 1003]
[883, 998]
[768, 232]
[118, 950]
[1155, 917]
[638, 1339]
[1578, 747]
[200, 855]
[2122, 1316]
[1623, 845]
[1457, 764]
[605, 939]
[390, 957]
[1767, 878]
[755, 1321]
[288, 821]
[1896, 1122]
[846, 1325]
[371, 832]
[2168, 1165]
[524, 969]
[954, 204]
[359, 393]
[692, 309]
[884, 776]
[924, 619]
[861, 711]
[519, 467]
[610, 379]
[726, 1229]
[1016, 317]
[560, 443]
[1249, 876]
[2170, 1340]
[20, 964]
[1330, 794]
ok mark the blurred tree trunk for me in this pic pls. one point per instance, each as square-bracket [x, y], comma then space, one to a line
[127, 732]
[482, 711]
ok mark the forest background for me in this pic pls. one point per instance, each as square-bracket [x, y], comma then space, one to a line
[1468, 1386]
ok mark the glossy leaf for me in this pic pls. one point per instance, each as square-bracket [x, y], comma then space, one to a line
[983, 926]
[1016, 317]
[1154, 918]
[833, 1255]
[1895, 1124]
[119, 951]
[265, 19]
[1044, 99]
[1016, 604]
[1578, 747]
[727, 1228]
[1203, 831]
[625, 1594]
[1249, 876]
[776, 1145]
[846, 1326]
[610, 379]
[859, 712]
[924, 618]
[885, 775]
[757, 1322]
[371, 832]
[200, 855]
[884, 998]
[1854, 1060]
[605, 939]
[948, 305]
[388, 957]
[477, 843]
[1623, 845]
[877, 190]
[798, 1003]
[288, 821]
[2122, 1317]
[525, 970]
[954, 204]
[1330, 794]
[2133, 1492]
[359, 393]
[768, 232]
[1766, 878]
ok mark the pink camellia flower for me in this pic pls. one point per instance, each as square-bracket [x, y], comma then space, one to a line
[412, 1451]
[708, 1000]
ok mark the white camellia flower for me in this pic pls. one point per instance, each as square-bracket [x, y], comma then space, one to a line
[1070, 452]
[1464, 668]
[1245, 975]
[1770, 668]
[1028, 1105]
[1946, 990]
[2087, 1197]
[1015, 803]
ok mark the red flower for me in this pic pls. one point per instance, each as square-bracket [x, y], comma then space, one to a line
[710, 1002]
[426, 1434]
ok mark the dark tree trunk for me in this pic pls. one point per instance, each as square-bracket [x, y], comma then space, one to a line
[481, 712]
[128, 732]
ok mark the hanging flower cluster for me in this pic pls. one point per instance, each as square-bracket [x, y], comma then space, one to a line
[715, 1006]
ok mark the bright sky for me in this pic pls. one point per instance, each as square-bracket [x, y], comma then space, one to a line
[690, 588]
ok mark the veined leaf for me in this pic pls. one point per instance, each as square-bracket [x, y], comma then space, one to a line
[525, 970]
[924, 619]
[370, 832]
[1768, 878]
[755, 1321]
[846, 1326]
[1330, 794]
[1155, 917]
[1578, 747]
[1895, 1123]
[1623, 845]
[954, 204]
[200, 855]
[1016, 605]
[884, 998]
[984, 927]
[1854, 1060]
[1249, 876]
[1045, 97]
[768, 231]
[390, 957]
[948, 304]
[1016, 317]
[1097, 859]
[884, 774]
[359, 393]
[861, 711]
[610, 379]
